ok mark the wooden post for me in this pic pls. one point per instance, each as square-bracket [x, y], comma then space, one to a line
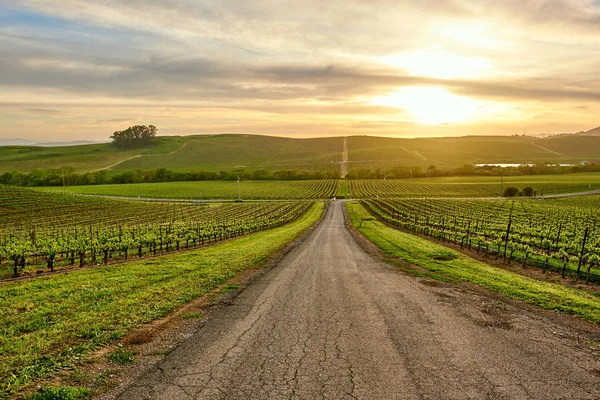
[582, 252]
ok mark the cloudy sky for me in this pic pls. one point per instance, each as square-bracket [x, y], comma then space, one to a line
[81, 69]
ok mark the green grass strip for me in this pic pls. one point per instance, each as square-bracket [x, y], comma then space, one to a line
[440, 260]
[48, 323]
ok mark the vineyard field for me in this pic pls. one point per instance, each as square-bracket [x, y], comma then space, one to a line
[48, 325]
[210, 190]
[559, 234]
[475, 186]
[353, 188]
[47, 231]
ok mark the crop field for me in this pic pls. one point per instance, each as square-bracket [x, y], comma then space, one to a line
[380, 152]
[253, 152]
[471, 186]
[559, 234]
[48, 231]
[220, 190]
[226, 152]
[355, 188]
[50, 324]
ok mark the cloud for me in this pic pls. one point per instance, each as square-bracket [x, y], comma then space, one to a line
[312, 60]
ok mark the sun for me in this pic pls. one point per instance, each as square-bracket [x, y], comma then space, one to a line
[430, 105]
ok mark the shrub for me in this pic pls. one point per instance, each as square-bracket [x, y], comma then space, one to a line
[528, 191]
[511, 191]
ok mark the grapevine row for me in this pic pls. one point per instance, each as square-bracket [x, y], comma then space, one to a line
[562, 235]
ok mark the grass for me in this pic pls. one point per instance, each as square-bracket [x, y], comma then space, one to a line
[51, 323]
[193, 316]
[379, 152]
[226, 152]
[122, 356]
[443, 263]
[61, 393]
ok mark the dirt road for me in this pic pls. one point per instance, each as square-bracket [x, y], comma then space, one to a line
[332, 322]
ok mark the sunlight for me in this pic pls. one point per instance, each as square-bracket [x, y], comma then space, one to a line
[438, 64]
[477, 35]
[430, 105]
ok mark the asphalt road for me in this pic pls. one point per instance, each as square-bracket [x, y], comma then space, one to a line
[333, 322]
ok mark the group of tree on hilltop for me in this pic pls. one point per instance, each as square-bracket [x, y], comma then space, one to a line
[135, 136]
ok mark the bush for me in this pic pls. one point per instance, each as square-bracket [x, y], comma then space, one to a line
[511, 191]
[62, 393]
[528, 191]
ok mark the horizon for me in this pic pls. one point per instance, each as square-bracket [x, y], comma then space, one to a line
[34, 142]
[80, 70]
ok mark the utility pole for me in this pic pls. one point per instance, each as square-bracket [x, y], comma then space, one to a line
[63, 179]
[239, 191]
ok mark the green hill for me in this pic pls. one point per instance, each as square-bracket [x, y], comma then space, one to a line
[253, 152]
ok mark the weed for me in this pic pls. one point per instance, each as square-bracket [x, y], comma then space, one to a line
[62, 393]
[193, 316]
[122, 356]
[230, 288]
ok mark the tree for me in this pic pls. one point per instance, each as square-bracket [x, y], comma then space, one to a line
[134, 136]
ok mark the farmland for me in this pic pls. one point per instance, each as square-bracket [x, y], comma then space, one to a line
[471, 186]
[220, 190]
[47, 230]
[253, 152]
[355, 188]
[562, 235]
[122, 263]
[49, 324]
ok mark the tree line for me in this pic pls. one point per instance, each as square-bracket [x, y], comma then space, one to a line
[54, 177]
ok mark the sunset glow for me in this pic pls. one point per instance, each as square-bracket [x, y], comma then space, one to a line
[439, 64]
[83, 69]
[430, 106]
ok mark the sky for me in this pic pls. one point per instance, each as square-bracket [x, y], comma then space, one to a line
[80, 70]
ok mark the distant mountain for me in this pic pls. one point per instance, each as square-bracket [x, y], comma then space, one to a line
[591, 132]
[16, 142]
[73, 143]
[28, 142]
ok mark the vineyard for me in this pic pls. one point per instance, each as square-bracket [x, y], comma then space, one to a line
[351, 188]
[561, 235]
[45, 231]
[469, 186]
[219, 190]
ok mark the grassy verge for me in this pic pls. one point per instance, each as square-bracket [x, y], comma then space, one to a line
[446, 264]
[50, 324]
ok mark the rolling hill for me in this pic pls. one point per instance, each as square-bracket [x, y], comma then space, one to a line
[227, 152]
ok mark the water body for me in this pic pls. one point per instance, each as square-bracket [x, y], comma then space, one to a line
[517, 165]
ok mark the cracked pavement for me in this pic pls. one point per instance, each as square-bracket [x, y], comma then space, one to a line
[332, 322]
